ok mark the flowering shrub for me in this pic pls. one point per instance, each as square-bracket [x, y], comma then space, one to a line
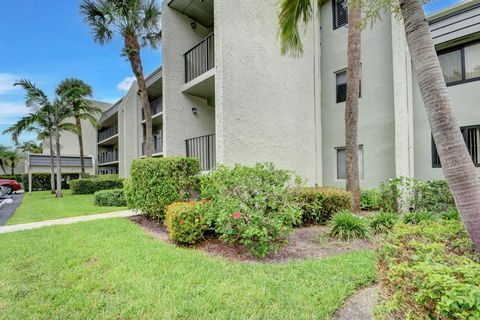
[185, 221]
[251, 205]
[429, 271]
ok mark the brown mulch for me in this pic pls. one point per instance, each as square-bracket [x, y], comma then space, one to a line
[304, 242]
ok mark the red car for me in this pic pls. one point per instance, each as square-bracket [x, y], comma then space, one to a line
[10, 185]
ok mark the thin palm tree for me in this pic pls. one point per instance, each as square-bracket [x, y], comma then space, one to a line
[12, 158]
[29, 147]
[75, 93]
[292, 13]
[3, 150]
[138, 22]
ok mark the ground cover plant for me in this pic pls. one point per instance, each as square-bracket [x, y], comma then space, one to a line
[111, 269]
[41, 206]
[383, 221]
[345, 225]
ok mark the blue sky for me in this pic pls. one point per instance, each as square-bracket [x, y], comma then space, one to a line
[46, 41]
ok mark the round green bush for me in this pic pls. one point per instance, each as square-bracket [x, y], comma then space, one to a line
[345, 225]
[186, 222]
[383, 221]
[110, 198]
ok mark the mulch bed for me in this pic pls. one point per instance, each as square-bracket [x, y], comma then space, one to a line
[304, 243]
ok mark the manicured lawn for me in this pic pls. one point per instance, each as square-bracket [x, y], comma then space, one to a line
[42, 205]
[112, 269]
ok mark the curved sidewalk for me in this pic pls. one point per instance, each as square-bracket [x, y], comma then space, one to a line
[40, 224]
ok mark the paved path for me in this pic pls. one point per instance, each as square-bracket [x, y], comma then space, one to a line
[36, 225]
[360, 306]
[8, 208]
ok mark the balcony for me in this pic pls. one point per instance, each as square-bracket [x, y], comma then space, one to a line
[203, 148]
[157, 146]
[108, 133]
[200, 58]
[108, 157]
[156, 107]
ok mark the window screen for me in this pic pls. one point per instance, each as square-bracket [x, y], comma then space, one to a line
[340, 13]
[471, 136]
[451, 64]
[472, 61]
[341, 84]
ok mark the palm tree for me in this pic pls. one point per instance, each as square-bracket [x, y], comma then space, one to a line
[75, 92]
[29, 147]
[138, 22]
[3, 150]
[294, 11]
[12, 158]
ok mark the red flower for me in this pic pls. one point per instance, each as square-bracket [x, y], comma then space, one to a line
[236, 215]
[182, 221]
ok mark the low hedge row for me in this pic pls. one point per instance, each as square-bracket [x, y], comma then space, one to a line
[429, 271]
[16, 177]
[41, 181]
[110, 198]
[90, 186]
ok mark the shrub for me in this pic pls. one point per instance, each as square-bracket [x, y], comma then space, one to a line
[370, 200]
[418, 216]
[41, 181]
[186, 221]
[110, 198]
[251, 205]
[90, 186]
[156, 183]
[383, 221]
[16, 177]
[429, 271]
[346, 226]
[319, 204]
[450, 214]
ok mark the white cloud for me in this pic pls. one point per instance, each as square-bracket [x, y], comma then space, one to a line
[11, 112]
[126, 83]
[6, 82]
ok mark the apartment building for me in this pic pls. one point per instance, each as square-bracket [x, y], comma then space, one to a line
[225, 94]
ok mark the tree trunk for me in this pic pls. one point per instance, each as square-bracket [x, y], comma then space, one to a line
[351, 105]
[457, 164]
[133, 49]
[13, 168]
[58, 192]
[80, 145]
[52, 164]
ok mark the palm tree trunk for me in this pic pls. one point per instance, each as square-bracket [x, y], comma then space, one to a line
[351, 105]
[52, 164]
[80, 145]
[457, 164]
[58, 192]
[13, 168]
[133, 47]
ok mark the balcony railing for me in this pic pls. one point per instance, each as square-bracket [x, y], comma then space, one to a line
[203, 149]
[157, 146]
[156, 107]
[108, 156]
[200, 58]
[107, 133]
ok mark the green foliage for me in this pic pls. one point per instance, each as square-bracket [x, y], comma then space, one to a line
[418, 216]
[383, 221]
[110, 198]
[345, 225]
[186, 221]
[16, 177]
[41, 181]
[319, 204]
[370, 200]
[429, 271]
[92, 185]
[450, 214]
[251, 205]
[155, 183]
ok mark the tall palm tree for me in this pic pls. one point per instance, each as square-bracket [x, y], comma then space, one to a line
[29, 147]
[294, 11]
[3, 150]
[76, 92]
[138, 22]
[12, 158]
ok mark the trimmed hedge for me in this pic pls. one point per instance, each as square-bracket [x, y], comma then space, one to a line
[110, 198]
[186, 221]
[41, 181]
[90, 186]
[155, 183]
[429, 271]
[318, 205]
[16, 177]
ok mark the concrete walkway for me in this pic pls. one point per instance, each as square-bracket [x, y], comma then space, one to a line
[41, 224]
[360, 306]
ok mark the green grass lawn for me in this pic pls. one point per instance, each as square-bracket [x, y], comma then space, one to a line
[42, 205]
[112, 269]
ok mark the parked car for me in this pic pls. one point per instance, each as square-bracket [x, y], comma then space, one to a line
[10, 185]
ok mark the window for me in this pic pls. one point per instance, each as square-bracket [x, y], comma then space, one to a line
[461, 64]
[471, 135]
[341, 86]
[341, 170]
[340, 13]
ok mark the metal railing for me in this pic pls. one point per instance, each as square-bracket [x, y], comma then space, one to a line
[107, 133]
[108, 156]
[203, 148]
[157, 146]
[200, 58]
[156, 106]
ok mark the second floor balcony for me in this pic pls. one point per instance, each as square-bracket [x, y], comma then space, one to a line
[107, 133]
[156, 107]
[157, 146]
[200, 58]
[108, 157]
